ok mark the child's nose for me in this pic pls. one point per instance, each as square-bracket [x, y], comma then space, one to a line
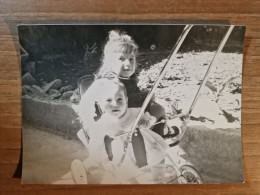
[114, 103]
[126, 63]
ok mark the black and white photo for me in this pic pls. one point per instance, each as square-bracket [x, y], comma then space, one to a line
[131, 103]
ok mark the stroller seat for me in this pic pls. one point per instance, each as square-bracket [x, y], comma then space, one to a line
[85, 82]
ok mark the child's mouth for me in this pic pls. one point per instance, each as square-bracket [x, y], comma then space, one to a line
[115, 110]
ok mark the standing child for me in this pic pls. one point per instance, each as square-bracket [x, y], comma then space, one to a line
[119, 59]
[107, 135]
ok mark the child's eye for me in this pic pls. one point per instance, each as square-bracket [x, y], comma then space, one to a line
[120, 99]
[132, 59]
[109, 100]
[122, 58]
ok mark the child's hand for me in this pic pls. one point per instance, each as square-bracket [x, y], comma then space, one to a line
[186, 119]
[146, 121]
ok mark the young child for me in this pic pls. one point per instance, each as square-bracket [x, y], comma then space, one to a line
[107, 135]
[119, 59]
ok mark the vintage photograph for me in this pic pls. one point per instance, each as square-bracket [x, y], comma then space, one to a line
[131, 103]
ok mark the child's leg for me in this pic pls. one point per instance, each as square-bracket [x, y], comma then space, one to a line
[78, 172]
[87, 171]
[158, 112]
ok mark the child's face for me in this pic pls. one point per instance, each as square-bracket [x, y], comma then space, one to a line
[115, 101]
[123, 64]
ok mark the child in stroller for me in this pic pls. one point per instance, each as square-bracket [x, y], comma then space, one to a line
[107, 135]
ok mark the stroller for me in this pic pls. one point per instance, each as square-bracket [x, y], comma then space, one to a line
[169, 172]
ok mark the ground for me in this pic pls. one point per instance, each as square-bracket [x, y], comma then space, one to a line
[47, 157]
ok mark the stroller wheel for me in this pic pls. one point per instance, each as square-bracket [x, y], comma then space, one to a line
[190, 174]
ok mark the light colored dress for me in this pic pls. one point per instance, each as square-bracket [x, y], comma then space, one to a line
[155, 146]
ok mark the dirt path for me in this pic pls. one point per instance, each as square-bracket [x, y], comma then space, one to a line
[47, 157]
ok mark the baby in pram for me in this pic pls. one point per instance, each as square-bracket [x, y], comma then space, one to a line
[107, 136]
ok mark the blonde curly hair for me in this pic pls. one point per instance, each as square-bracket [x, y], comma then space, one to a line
[118, 42]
